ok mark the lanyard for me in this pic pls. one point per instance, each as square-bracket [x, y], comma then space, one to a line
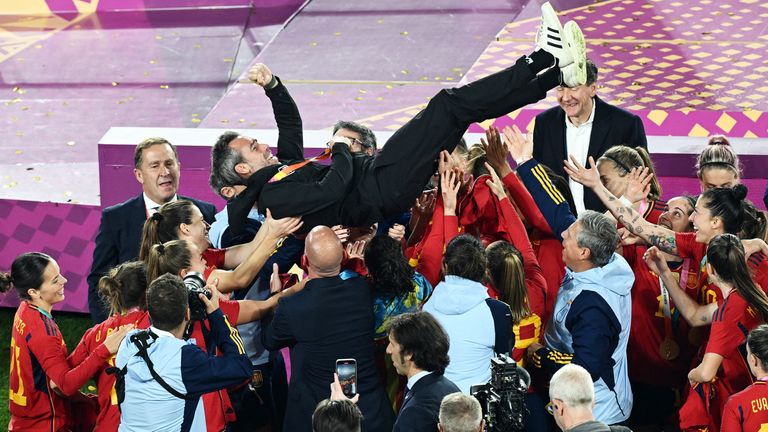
[285, 171]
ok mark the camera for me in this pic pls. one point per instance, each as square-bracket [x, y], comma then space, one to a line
[196, 285]
[503, 397]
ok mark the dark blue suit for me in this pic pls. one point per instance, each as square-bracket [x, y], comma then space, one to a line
[421, 406]
[330, 319]
[118, 241]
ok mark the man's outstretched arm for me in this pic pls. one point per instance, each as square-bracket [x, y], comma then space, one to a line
[290, 141]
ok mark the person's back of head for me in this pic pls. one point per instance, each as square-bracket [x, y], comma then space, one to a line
[324, 252]
[388, 267]
[367, 137]
[460, 413]
[572, 396]
[167, 302]
[125, 287]
[465, 257]
[599, 235]
[336, 416]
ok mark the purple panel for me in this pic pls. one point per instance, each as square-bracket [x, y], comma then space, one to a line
[50, 228]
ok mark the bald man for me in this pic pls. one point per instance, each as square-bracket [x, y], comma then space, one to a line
[330, 319]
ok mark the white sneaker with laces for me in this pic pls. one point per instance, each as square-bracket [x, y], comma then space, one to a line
[550, 36]
[575, 74]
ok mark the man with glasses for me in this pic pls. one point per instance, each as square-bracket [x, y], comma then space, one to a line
[357, 192]
[583, 125]
[572, 398]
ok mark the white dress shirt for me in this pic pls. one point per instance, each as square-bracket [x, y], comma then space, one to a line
[577, 144]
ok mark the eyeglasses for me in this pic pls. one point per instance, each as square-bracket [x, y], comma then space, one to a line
[550, 408]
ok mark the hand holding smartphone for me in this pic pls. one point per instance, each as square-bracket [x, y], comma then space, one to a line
[346, 369]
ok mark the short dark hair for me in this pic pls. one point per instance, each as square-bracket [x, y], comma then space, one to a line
[223, 162]
[167, 302]
[336, 416]
[465, 257]
[420, 335]
[147, 143]
[390, 272]
[591, 72]
[367, 137]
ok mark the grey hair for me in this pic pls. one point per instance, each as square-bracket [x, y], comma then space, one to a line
[599, 235]
[460, 413]
[367, 137]
[573, 385]
[223, 161]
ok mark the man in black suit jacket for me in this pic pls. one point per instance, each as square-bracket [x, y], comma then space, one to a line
[157, 170]
[331, 318]
[591, 127]
[418, 345]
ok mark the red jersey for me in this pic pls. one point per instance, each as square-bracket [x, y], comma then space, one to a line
[650, 327]
[731, 324]
[214, 258]
[109, 414]
[38, 356]
[747, 410]
[218, 408]
[654, 210]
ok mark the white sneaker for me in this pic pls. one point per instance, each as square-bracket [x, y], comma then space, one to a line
[550, 36]
[575, 74]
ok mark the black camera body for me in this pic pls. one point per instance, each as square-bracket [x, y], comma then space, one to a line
[195, 284]
[503, 397]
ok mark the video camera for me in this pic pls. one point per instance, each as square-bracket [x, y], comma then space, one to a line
[503, 397]
[195, 286]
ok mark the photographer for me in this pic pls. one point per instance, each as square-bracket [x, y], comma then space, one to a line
[164, 379]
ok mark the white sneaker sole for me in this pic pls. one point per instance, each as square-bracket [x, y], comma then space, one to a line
[575, 43]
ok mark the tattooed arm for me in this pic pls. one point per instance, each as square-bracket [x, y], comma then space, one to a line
[654, 235]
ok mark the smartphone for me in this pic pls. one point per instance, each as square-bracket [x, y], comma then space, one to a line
[346, 369]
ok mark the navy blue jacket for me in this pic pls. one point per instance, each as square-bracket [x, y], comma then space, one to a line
[421, 406]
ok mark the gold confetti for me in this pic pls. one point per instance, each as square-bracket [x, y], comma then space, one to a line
[146, 73]
[152, 61]
[362, 91]
[195, 115]
[389, 86]
[67, 193]
[228, 60]
[24, 108]
[198, 46]
[19, 134]
[164, 86]
[16, 89]
[379, 98]
[225, 121]
[196, 120]
[158, 37]
[241, 121]
[404, 33]
[314, 44]
[36, 178]
[380, 21]
[70, 143]
[115, 84]
[404, 72]
[319, 93]
[424, 78]
[38, 46]
[337, 33]
[359, 98]
[18, 152]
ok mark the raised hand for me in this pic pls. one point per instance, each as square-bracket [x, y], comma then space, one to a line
[425, 204]
[279, 228]
[655, 262]
[337, 393]
[356, 249]
[260, 74]
[520, 146]
[397, 232]
[589, 177]
[341, 232]
[449, 188]
[496, 151]
[638, 184]
[495, 183]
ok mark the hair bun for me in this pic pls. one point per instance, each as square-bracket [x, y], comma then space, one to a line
[740, 192]
[5, 282]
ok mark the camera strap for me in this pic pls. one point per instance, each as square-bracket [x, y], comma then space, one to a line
[141, 340]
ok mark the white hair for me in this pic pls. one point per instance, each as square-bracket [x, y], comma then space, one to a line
[460, 413]
[573, 385]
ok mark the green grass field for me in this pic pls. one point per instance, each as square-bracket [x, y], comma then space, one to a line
[72, 326]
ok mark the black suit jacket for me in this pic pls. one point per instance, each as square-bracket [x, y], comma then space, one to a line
[118, 240]
[612, 126]
[421, 406]
[328, 320]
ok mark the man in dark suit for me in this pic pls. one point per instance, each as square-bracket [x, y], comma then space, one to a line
[419, 345]
[583, 125]
[330, 319]
[157, 170]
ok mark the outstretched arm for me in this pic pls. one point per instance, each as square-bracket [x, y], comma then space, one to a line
[654, 235]
[290, 141]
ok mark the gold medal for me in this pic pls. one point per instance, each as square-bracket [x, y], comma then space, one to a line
[669, 349]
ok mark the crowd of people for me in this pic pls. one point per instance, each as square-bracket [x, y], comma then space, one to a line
[418, 263]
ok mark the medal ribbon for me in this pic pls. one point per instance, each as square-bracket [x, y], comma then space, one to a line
[285, 171]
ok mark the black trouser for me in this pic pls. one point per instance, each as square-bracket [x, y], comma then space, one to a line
[408, 159]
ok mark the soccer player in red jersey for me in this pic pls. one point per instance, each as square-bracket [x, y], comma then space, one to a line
[124, 288]
[744, 307]
[748, 409]
[41, 381]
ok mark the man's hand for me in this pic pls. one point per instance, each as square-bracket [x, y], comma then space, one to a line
[520, 146]
[212, 304]
[590, 178]
[260, 74]
[341, 232]
[496, 152]
[279, 228]
[275, 285]
[356, 249]
[337, 393]
[397, 232]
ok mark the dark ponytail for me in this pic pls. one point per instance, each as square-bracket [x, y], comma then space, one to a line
[125, 287]
[389, 269]
[26, 273]
[170, 257]
[164, 225]
[506, 269]
[758, 344]
[728, 205]
[725, 254]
